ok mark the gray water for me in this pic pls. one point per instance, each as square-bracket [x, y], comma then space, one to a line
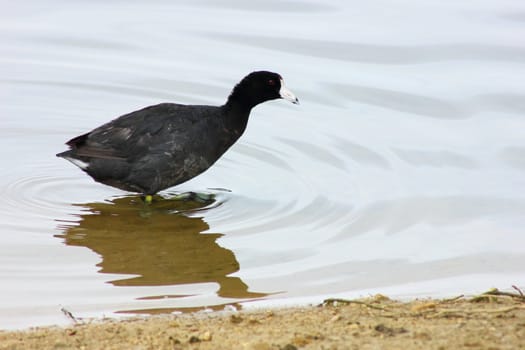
[401, 172]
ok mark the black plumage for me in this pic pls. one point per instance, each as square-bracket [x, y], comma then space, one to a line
[164, 145]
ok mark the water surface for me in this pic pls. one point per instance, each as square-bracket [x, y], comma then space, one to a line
[401, 172]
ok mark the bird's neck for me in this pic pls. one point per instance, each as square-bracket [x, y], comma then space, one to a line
[239, 105]
[236, 117]
[241, 99]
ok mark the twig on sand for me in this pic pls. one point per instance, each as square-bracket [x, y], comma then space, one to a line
[519, 290]
[495, 292]
[332, 301]
[463, 313]
[450, 300]
[70, 315]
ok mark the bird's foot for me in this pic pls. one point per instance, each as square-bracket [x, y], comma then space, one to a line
[147, 199]
[193, 196]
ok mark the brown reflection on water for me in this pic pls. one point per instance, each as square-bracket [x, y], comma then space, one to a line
[157, 244]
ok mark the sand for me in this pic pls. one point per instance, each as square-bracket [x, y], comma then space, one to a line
[490, 321]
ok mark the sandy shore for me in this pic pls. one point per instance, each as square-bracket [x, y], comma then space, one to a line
[490, 321]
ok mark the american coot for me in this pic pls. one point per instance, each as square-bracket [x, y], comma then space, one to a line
[164, 145]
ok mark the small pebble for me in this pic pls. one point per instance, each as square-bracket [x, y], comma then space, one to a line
[206, 336]
[194, 339]
[425, 306]
[336, 318]
[235, 319]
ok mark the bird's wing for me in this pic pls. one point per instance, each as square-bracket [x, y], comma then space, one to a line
[135, 133]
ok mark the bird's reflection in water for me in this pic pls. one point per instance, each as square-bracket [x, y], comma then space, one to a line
[158, 244]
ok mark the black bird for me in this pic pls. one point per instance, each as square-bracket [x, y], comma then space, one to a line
[164, 145]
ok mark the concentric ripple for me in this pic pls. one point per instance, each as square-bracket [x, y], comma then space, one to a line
[27, 201]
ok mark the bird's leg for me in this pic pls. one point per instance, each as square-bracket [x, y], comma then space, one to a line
[148, 199]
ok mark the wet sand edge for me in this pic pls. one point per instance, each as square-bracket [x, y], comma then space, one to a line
[492, 320]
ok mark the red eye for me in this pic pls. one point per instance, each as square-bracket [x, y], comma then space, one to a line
[271, 82]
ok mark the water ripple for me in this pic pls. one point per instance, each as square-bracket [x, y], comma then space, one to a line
[401, 101]
[40, 196]
[269, 6]
[315, 152]
[514, 157]
[385, 54]
[435, 158]
[395, 216]
[126, 89]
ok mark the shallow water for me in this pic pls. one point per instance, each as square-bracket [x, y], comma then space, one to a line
[401, 172]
